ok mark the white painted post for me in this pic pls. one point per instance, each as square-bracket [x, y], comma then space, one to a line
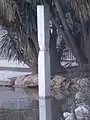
[44, 57]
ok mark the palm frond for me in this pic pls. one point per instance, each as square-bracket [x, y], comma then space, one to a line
[8, 46]
[8, 10]
[20, 17]
[82, 9]
[13, 49]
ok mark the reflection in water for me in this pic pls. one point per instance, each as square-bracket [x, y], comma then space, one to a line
[50, 109]
[35, 110]
[57, 111]
[45, 112]
[19, 104]
[16, 98]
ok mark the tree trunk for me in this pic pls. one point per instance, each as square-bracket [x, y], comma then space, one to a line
[61, 48]
[86, 40]
[77, 51]
[54, 58]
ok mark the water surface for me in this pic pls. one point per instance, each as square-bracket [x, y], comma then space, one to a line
[20, 104]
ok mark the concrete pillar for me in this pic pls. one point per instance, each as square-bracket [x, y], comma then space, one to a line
[44, 57]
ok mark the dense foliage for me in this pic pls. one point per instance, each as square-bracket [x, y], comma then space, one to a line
[69, 17]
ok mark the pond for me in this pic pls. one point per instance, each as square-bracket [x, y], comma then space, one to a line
[23, 104]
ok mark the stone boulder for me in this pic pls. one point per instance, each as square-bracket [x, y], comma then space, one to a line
[82, 113]
[27, 81]
[32, 81]
[66, 114]
[83, 93]
[58, 82]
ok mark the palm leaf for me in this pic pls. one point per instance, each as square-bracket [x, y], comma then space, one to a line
[19, 25]
[82, 9]
[19, 17]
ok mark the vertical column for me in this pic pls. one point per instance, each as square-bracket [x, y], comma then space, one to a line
[44, 57]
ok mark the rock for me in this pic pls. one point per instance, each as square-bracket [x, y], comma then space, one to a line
[69, 118]
[58, 81]
[66, 114]
[83, 94]
[82, 113]
[81, 98]
[30, 81]
[27, 81]
[84, 84]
